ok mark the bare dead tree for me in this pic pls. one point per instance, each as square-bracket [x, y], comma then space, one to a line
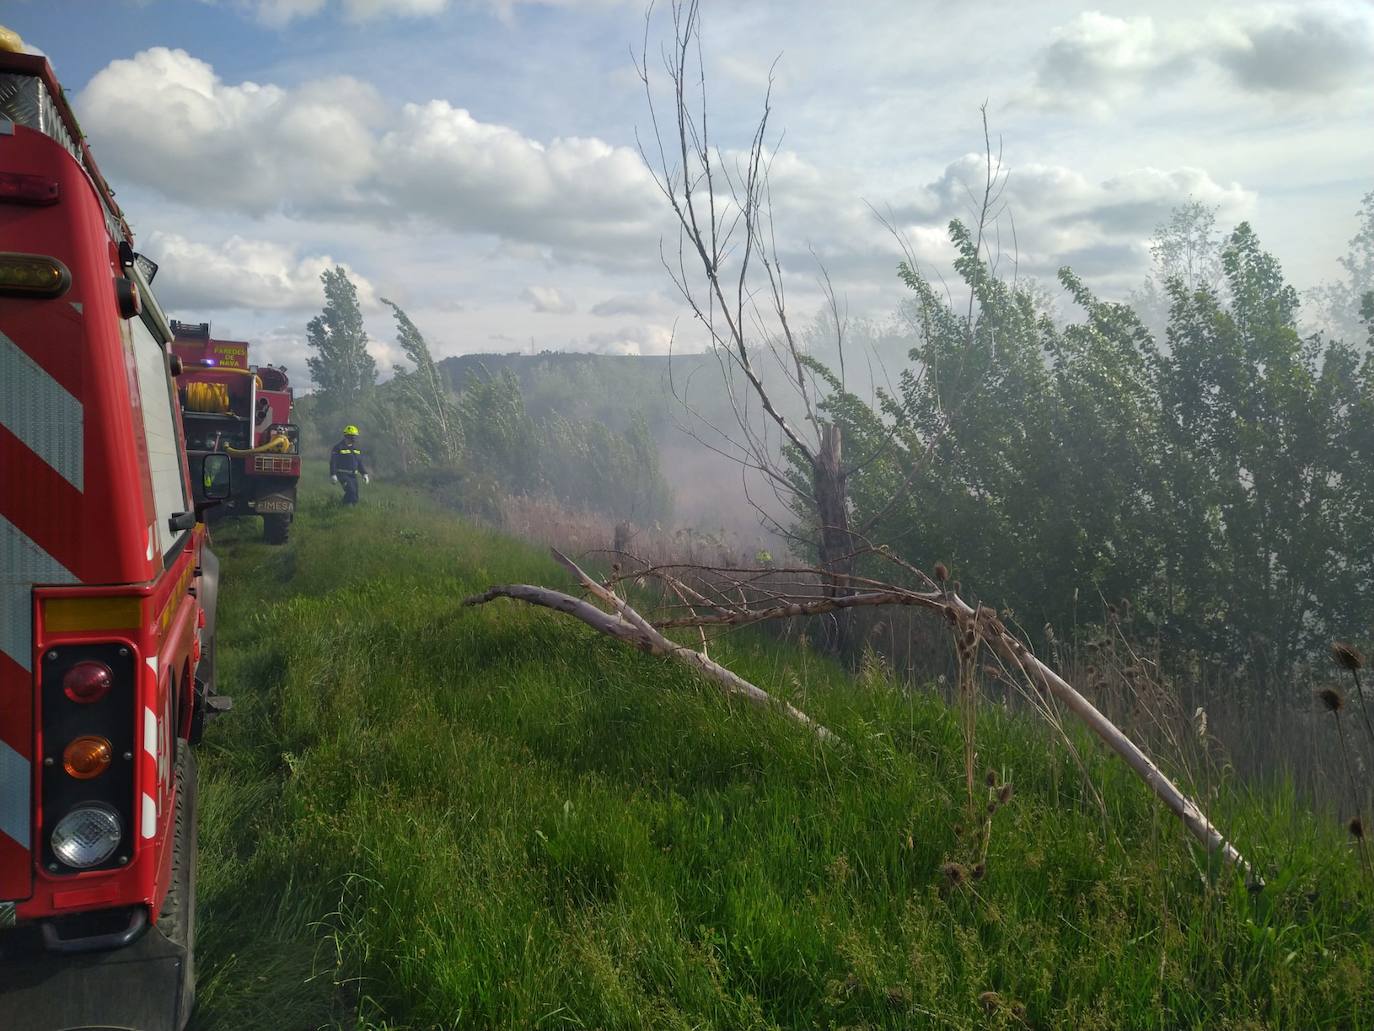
[727, 268]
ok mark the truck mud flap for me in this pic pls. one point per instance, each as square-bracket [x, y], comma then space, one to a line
[138, 987]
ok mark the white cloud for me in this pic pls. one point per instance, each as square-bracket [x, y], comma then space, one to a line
[249, 147]
[471, 175]
[629, 304]
[241, 273]
[641, 339]
[1099, 226]
[548, 300]
[330, 148]
[280, 13]
[1097, 61]
[1311, 50]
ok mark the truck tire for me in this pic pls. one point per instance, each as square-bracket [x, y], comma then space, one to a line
[177, 919]
[276, 528]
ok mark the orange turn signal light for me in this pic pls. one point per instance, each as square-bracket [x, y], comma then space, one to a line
[87, 757]
[33, 275]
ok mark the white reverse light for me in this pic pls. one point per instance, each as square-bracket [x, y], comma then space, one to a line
[87, 835]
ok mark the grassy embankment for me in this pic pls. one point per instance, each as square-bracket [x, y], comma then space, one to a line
[421, 816]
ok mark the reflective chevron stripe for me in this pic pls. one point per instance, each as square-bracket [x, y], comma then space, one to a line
[15, 789]
[45, 419]
[37, 410]
[22, 564]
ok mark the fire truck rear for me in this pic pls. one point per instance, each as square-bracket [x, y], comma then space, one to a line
[244, 411]
[107, 598]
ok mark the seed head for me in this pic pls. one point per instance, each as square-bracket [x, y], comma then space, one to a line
[991, 778]
[941, 572]
[1356, 826]
[1331, 698]
[954, 873]
[991, 1002]
[1018, 1010]
[1347, 656]
[1005, 792]
[979, 871]
[992, 808]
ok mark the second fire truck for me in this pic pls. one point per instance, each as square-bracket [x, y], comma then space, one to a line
[243, 410]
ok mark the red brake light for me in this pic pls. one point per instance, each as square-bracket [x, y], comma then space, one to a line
[18, 188]
[88, 681]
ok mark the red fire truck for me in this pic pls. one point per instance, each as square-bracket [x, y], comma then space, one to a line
[245, 411]
[107, 597]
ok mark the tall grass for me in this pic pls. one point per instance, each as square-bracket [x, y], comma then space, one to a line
[425, 816]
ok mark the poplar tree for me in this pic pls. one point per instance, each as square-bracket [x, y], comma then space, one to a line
[342, 369]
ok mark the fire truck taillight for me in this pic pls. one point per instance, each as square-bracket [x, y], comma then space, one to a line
[18, 188]
[33, 275]
[87, 681]
[87, 836]
[87, 757]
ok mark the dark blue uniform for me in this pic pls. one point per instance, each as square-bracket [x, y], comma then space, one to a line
[346, 462]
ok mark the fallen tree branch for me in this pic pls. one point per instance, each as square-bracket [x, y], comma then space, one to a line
[973, 625]
[990, 630]
[627, 625]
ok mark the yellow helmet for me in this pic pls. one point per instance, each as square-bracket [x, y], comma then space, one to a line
[350, 430]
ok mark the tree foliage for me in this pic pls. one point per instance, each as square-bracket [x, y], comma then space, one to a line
[582, 463]
[343, 371]
[1220, 481]
[424, 412]
[1345, 308]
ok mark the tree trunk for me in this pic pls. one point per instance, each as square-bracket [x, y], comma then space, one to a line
[836, 543]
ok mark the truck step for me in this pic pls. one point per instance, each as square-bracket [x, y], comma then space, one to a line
[217, 704]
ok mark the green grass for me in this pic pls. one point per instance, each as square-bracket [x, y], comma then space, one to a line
[424, 816]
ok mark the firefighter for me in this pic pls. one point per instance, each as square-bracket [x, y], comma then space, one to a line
[346, 465]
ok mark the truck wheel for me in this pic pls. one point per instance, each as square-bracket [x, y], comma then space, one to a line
[276, 528]
[177, 920]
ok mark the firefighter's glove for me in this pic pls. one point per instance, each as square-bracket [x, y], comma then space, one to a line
[367, 478]
[333, 479]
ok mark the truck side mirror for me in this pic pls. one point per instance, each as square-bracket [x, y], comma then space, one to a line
[215, 476]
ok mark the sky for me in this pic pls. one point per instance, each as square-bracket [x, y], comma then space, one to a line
[476, 161]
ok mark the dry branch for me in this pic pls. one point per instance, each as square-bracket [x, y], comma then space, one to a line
[986, 627]
[627, 625]
[973, 626]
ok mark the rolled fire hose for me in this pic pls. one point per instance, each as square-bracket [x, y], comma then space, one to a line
[207, 397]
[213, 398]
[280, 444]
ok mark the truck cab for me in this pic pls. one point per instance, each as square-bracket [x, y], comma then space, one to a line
[108, 588]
